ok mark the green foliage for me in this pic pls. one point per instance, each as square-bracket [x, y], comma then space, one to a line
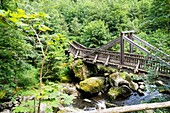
[27, 78]
[158, 38]
[8, 4]
[25, 107]
[91, 22]
[52, 96]
[159, 16]
[75, 27]
[95, 34]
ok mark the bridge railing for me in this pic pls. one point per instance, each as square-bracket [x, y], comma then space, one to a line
[107, 57]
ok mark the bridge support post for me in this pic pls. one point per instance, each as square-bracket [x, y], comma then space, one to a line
[130, 45]
[121, 49]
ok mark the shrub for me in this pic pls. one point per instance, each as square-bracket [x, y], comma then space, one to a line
[95, 34]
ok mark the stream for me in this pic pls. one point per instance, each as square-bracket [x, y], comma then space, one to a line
[100, 101]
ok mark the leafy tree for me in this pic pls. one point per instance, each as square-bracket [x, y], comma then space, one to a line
[159, 16]
[95, 34]
[14, 55]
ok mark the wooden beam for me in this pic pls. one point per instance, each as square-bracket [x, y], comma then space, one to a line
[137, 66]
[124, 32]
[110, 44]
[131, 108]
[130, 45]
[149, 45]
[107, 60]
[77, 53]
[137, 45]
[95, 58]
[121, 48]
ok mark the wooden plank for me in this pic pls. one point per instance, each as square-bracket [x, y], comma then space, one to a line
[107, 60]
[77, 53]
[95, 58]
[137, 66]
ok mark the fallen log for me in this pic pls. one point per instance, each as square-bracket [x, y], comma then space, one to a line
[132, 108]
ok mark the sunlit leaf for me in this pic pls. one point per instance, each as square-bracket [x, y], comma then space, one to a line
[14, 20]
[44, 28]
[21, 11]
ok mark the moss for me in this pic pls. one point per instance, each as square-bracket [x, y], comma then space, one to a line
[80, 69]
[106, 69]
[123, 75]
[114, 75]
[65, 79]
[92, 85]
[114, 92]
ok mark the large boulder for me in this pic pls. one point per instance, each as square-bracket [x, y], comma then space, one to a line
[92, 85]
[80, 69]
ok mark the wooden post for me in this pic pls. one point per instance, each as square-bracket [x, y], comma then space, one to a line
[130, 45]
[121, 49]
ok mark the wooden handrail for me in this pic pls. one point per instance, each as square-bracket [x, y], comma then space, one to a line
[132, 31]
[149, 45]
[111, 43]
[137, 45]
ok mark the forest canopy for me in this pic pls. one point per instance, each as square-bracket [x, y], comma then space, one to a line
[57, 22]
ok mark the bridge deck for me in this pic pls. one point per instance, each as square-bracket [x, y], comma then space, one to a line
[136, 62]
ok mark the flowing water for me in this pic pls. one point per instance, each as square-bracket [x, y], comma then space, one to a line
[99, 102]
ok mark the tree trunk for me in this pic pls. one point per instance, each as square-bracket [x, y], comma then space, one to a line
[133, 108]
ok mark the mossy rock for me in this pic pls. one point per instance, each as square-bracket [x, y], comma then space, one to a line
[123, 75]
[114, 92]
[106, 69]
[114, 76]
[134, 86]
[116, 79]
[92, 85]
[80, 69]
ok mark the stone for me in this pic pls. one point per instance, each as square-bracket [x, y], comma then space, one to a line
[124, 74]
[142, 87]
[114, 92]
[6, 111]
[92, 85]
[141, 83]
[149, 111]
[134, 86]
[116, 80]
[126, 91]
[159, 83]
[80, 70]
[140, 92]
[70, 90]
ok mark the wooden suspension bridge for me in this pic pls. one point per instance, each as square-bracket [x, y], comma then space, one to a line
[125, 60]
